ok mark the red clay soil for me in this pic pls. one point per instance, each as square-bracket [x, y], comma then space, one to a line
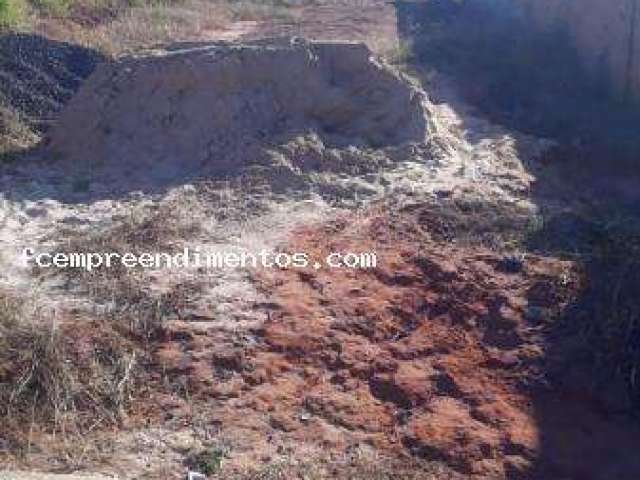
[438, 353]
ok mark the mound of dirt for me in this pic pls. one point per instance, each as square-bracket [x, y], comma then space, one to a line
[38, 76]
[284, 106]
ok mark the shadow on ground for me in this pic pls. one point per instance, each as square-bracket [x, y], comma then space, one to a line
[586, 190]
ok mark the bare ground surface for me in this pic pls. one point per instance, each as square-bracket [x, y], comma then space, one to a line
[435, 360]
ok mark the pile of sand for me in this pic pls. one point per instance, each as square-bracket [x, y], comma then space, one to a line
[281, 108]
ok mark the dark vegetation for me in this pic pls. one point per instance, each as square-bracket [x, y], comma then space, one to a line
[602, 326]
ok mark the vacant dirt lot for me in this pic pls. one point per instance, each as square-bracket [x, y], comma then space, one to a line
[448, 359]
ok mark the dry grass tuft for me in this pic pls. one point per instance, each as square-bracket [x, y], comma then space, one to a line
[398, 53]
[470, 220]
[155, 23]
[357, 465]
[124, 292]
[67, 378]
[15, 134]
[247, 10]
[116, 27]
[607, 314]
[62, 379]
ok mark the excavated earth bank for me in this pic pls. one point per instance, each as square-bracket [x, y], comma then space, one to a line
[284, 108]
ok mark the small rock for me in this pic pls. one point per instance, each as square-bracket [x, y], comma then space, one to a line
[196, 476]
[534, 314]
[304, 417]
[36, 212]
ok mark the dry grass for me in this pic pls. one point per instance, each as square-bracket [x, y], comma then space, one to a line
[116, 27]
[356, 465]
[152, 24]
[64, 380]
[246, 10]
[606, 316]
[470, 220]
[12, 13]
[15, 134]
[123, 292]
[398, 53]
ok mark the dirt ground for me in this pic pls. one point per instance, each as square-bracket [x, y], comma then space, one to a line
[443, 361]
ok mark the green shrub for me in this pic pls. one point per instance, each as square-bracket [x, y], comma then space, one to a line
[209, 460]
[11, 13]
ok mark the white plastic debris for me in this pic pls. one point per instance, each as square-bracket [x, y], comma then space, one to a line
[196, 476]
